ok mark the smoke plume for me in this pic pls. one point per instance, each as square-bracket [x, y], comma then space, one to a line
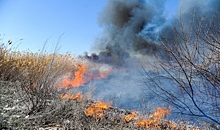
[133, 27]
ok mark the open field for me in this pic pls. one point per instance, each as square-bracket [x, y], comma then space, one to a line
[32, 99]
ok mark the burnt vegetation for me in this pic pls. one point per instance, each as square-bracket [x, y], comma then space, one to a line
[31, 98]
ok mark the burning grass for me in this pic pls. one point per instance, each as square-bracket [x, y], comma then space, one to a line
[85, 73]
[27, 101]
[78, 79]
[68, 95]
[76, 114]
[155, 119]
[97, 110]
[131, 116]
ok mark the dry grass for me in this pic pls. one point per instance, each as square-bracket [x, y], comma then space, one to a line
[30, 98]
[66, 113]
[36, 74]
[31, 66]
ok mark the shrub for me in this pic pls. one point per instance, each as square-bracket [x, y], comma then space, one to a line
[191, 67]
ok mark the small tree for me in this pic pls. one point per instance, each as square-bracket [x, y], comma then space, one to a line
[189, 77]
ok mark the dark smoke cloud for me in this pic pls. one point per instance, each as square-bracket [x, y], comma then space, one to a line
[123, 22]
[133, 27]
[136, 26]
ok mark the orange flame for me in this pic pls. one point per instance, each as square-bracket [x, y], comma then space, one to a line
[154, 120]
[160, 113]
[129, 117]
[97, 109]
[97, 75]
[78, 80]
[78, 96]
[83, 75]
[144, 123]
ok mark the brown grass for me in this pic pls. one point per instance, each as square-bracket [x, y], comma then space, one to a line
[31, 66]
[30, 98]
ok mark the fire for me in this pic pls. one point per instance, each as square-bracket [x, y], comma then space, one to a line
[97, 109]
[99, 75]
[154, 120]
[68, 95]
[78, 79]
[160, 113]
[86, 73]
[129, 117]
[144, 123]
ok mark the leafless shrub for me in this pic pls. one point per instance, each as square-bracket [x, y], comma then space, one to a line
[188, 78]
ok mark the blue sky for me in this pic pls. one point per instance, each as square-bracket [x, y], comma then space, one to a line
[36, 21]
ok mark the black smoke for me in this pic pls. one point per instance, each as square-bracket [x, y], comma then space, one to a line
[133, 27]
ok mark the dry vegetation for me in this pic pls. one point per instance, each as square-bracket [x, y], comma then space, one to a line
[31, 98]
[35, 73]
[28, 64]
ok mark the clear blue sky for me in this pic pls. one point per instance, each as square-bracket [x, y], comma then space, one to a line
[35, 21]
